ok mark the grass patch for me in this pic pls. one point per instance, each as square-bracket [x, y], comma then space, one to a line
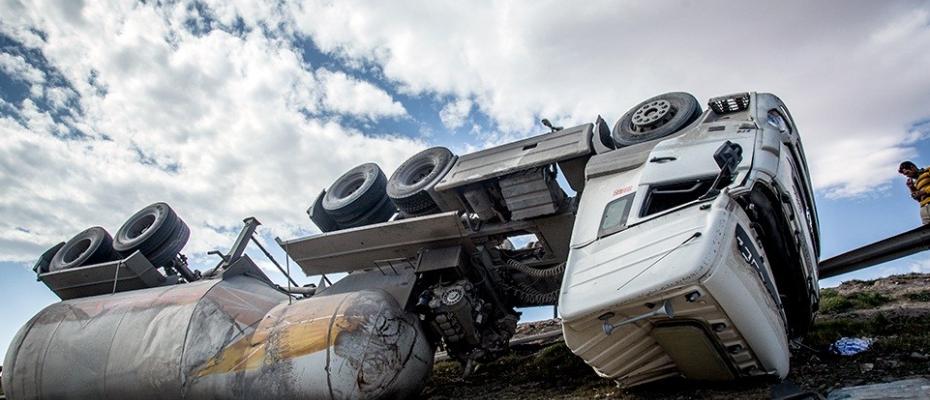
[825, 333]
[921, 296]
[832, 301]
[895, 335]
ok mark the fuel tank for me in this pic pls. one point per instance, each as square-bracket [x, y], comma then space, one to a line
[219, 339]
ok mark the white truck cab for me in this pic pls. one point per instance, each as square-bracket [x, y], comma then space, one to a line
[693, 253]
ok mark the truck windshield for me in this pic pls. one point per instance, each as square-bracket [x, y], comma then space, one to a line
[615, 216]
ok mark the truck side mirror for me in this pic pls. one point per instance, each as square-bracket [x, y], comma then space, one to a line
[728, 156]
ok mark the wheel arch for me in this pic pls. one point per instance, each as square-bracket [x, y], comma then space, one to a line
[763, 205]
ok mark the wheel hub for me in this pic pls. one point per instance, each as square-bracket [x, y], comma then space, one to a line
[77, 250]
[452, 296]
[652, 115]
[420, 173]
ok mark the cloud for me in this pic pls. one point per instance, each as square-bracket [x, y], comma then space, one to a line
[214, 107]
[351, 96]
[455, 113]
[219, 124]
[854, 76]
[921, 266]
[17, 67]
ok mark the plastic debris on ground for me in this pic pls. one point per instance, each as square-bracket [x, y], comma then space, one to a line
[847, 346]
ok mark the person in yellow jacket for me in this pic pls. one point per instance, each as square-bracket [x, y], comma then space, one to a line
[918, 182]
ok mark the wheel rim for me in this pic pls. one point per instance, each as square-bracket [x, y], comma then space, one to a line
[452, 296]
[420, 173]
[652, 115]
[140, 226]
[74, 252]
[350, 187]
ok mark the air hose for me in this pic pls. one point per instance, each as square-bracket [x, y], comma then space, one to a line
[528, 294]
[538, 273]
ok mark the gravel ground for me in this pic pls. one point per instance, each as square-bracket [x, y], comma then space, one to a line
[895, 311]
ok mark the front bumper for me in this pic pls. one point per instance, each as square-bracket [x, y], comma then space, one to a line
[724, 323]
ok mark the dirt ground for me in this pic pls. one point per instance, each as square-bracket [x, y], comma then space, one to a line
[894, 311]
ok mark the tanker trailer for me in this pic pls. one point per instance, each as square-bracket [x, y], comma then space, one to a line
[137, 323]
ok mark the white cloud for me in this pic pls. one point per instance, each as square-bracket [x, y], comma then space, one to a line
[59, 96]
[455, 113]
[19, 68]
[352, 96]
[902, 27]
[229, 124]
[921, 266]
[219, 125]
[854, 75]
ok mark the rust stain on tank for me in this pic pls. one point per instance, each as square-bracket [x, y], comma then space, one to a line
[301, 331]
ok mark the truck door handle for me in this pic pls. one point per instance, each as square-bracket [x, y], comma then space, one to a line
[662, 160]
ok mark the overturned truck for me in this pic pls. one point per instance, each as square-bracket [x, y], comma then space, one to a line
[687, 245]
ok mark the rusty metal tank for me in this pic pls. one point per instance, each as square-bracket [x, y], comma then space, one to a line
[219, 339]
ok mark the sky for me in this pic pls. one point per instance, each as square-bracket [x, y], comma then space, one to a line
[250, 108]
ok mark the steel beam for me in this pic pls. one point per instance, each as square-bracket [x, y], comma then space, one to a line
[895, 247]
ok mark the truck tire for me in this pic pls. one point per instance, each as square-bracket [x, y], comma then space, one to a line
[355, 194]
[41, 266]
[156, 231]
[409, 185]
[92, 246]
[381, 212]
[319, 216]
[656, 118]
[784, 259]
[146, 230]
[169, 250]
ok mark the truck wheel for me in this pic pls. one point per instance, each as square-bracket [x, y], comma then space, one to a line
[355, 194]
[409, 185]
[92, 246]
[319, 216]
[785, 261]
[381, 212]
[41, 266]
[166, 253]
[656, 118]
[146, 230]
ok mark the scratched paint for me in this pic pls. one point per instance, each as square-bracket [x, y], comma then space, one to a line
[305, 330]
[216, 339]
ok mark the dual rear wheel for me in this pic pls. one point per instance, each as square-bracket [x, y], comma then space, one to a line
[364, 195]
[155, 231]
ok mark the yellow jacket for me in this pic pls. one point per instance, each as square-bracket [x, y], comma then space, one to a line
[920, 188]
